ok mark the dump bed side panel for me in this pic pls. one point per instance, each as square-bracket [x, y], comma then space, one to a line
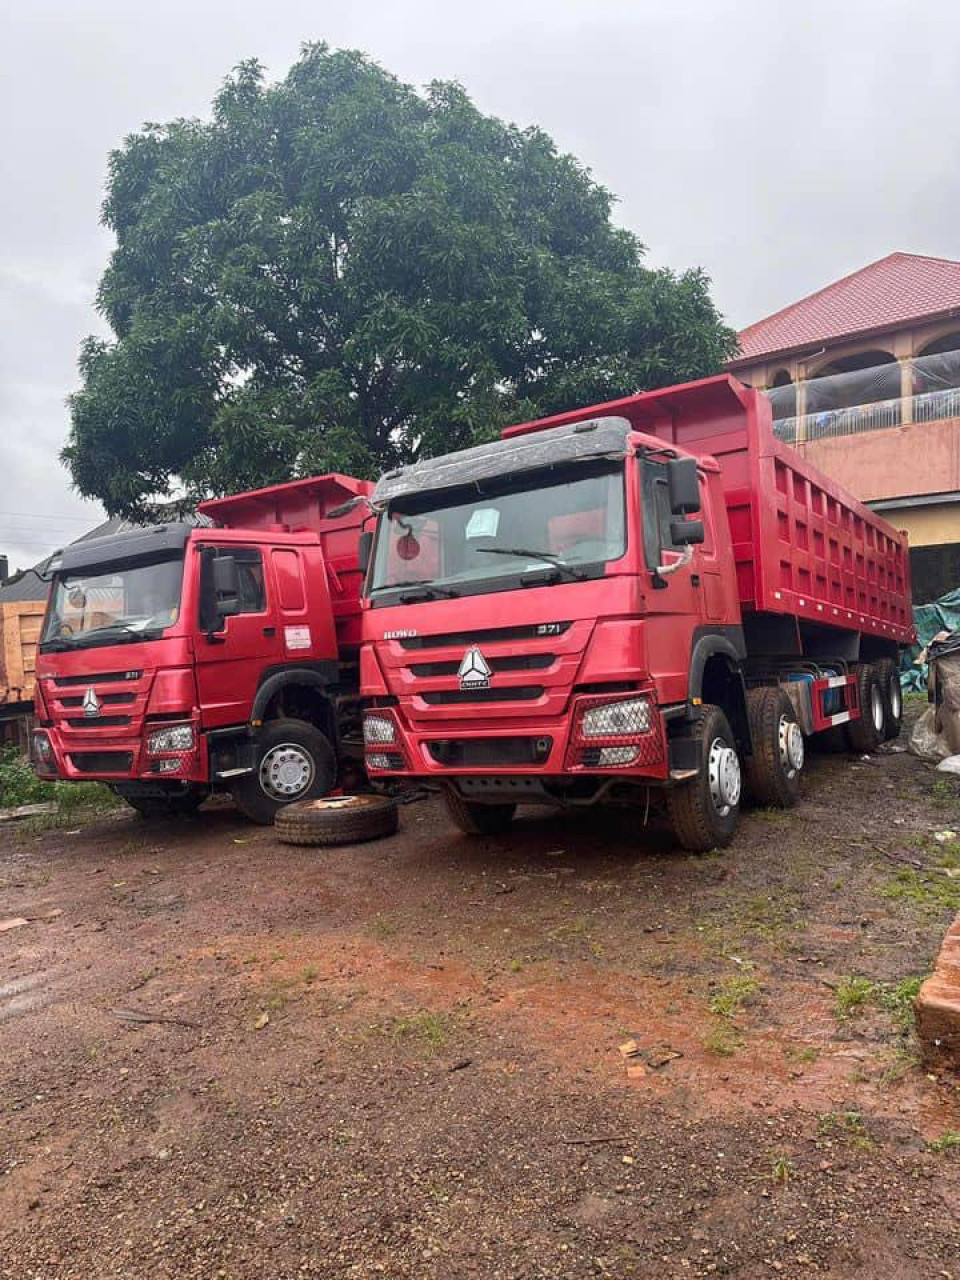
[304, 504]
[802, 545]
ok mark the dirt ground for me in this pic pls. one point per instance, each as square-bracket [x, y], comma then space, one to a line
[403, 1059]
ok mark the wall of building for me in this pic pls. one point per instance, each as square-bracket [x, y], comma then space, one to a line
[896, 462]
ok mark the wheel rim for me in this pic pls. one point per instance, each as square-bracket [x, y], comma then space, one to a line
[286, 771]
[723, 772]
[791, 746]
[876, 706]
[896, 697]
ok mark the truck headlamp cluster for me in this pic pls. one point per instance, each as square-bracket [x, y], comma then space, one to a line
[616, 719]
[378, 731]
[614, 733]
[174, 737]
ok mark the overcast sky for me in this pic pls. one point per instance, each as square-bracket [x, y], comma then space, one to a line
[777, 145]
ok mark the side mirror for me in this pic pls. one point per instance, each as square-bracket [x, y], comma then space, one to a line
[226, 579]
[364, 548]
[686, 533]
[684, 485]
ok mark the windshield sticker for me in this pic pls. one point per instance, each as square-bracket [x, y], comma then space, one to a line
[483, 523]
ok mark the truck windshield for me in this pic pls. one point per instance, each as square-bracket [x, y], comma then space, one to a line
[559, 526]
[110, 606]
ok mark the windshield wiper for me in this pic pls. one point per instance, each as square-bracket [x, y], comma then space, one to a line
[429, 592]
[547, 557]
[125, 628]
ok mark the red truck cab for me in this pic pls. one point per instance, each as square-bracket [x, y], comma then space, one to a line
[176, 659]
[651, 593]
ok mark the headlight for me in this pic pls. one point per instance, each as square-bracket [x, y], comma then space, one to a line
[378, 730]
[616, 719]
[176, 737]
[42, 750]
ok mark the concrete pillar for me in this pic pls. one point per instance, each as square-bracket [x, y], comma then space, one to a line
[801, 385]
[906, 389]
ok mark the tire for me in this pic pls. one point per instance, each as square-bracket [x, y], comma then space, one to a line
[889, 674]
[867, 732]
[295, 761]
[157, 808]
[337, 820]
[478, 819]
[773, 770]
[705, 811]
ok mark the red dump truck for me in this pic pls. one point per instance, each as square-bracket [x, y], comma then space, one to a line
[650, 598]
[177, 660]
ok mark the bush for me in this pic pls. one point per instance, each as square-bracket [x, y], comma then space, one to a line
[20, 785]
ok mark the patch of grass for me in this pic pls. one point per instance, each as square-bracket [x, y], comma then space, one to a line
[897, 998]
[428, 1028]
[949, 1141]
[845, 1124]
[944, 794]
[931, 890]
[75, 800]
[722, 1040]
[854, 993]
[780, 1170]
[516, 966]
[808, 1054]
[382, 928]
[851, 995]
[310, 974]
[733, 993]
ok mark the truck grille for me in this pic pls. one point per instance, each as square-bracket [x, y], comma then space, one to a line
[108, 677]
[457, 697]
[539, 631]
[522, 662]
[102, 761]
[106, 699]
[465, 753]
[97, 722]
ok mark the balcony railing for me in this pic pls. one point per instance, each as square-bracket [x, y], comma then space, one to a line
[932, 406]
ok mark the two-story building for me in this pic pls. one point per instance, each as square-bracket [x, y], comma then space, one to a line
[864, 378]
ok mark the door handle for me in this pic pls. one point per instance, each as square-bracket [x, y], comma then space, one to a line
[269, 631]
[694, 579]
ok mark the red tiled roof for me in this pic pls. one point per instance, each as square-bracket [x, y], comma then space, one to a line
[898, 288]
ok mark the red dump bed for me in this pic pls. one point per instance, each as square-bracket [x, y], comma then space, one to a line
[300, 505]
[802, 544]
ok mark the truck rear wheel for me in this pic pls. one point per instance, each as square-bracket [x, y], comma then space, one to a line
[869, 730]
[773, 770]
[704, 812]
[478, 819]
[295, 761]
[889, 674]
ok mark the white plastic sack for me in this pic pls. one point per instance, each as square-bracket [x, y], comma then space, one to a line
[925, 742]
[950, 765]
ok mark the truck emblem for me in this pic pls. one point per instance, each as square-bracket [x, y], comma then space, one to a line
[91, 703]
[474, 672]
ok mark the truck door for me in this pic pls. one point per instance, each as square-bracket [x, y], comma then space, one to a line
[233, 649]
[674, 604]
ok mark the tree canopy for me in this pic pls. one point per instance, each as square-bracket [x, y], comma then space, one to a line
[335, 272]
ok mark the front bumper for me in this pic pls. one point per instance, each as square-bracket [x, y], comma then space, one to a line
[548, 747]
[74, 756]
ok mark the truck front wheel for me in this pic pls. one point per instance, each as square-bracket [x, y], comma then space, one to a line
[773, 770]
[478, 819]
[295, 761]
[704, 811]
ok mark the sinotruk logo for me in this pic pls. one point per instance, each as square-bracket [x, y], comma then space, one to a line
[474, 672]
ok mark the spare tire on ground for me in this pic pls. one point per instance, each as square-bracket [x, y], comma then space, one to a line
[337, 820]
